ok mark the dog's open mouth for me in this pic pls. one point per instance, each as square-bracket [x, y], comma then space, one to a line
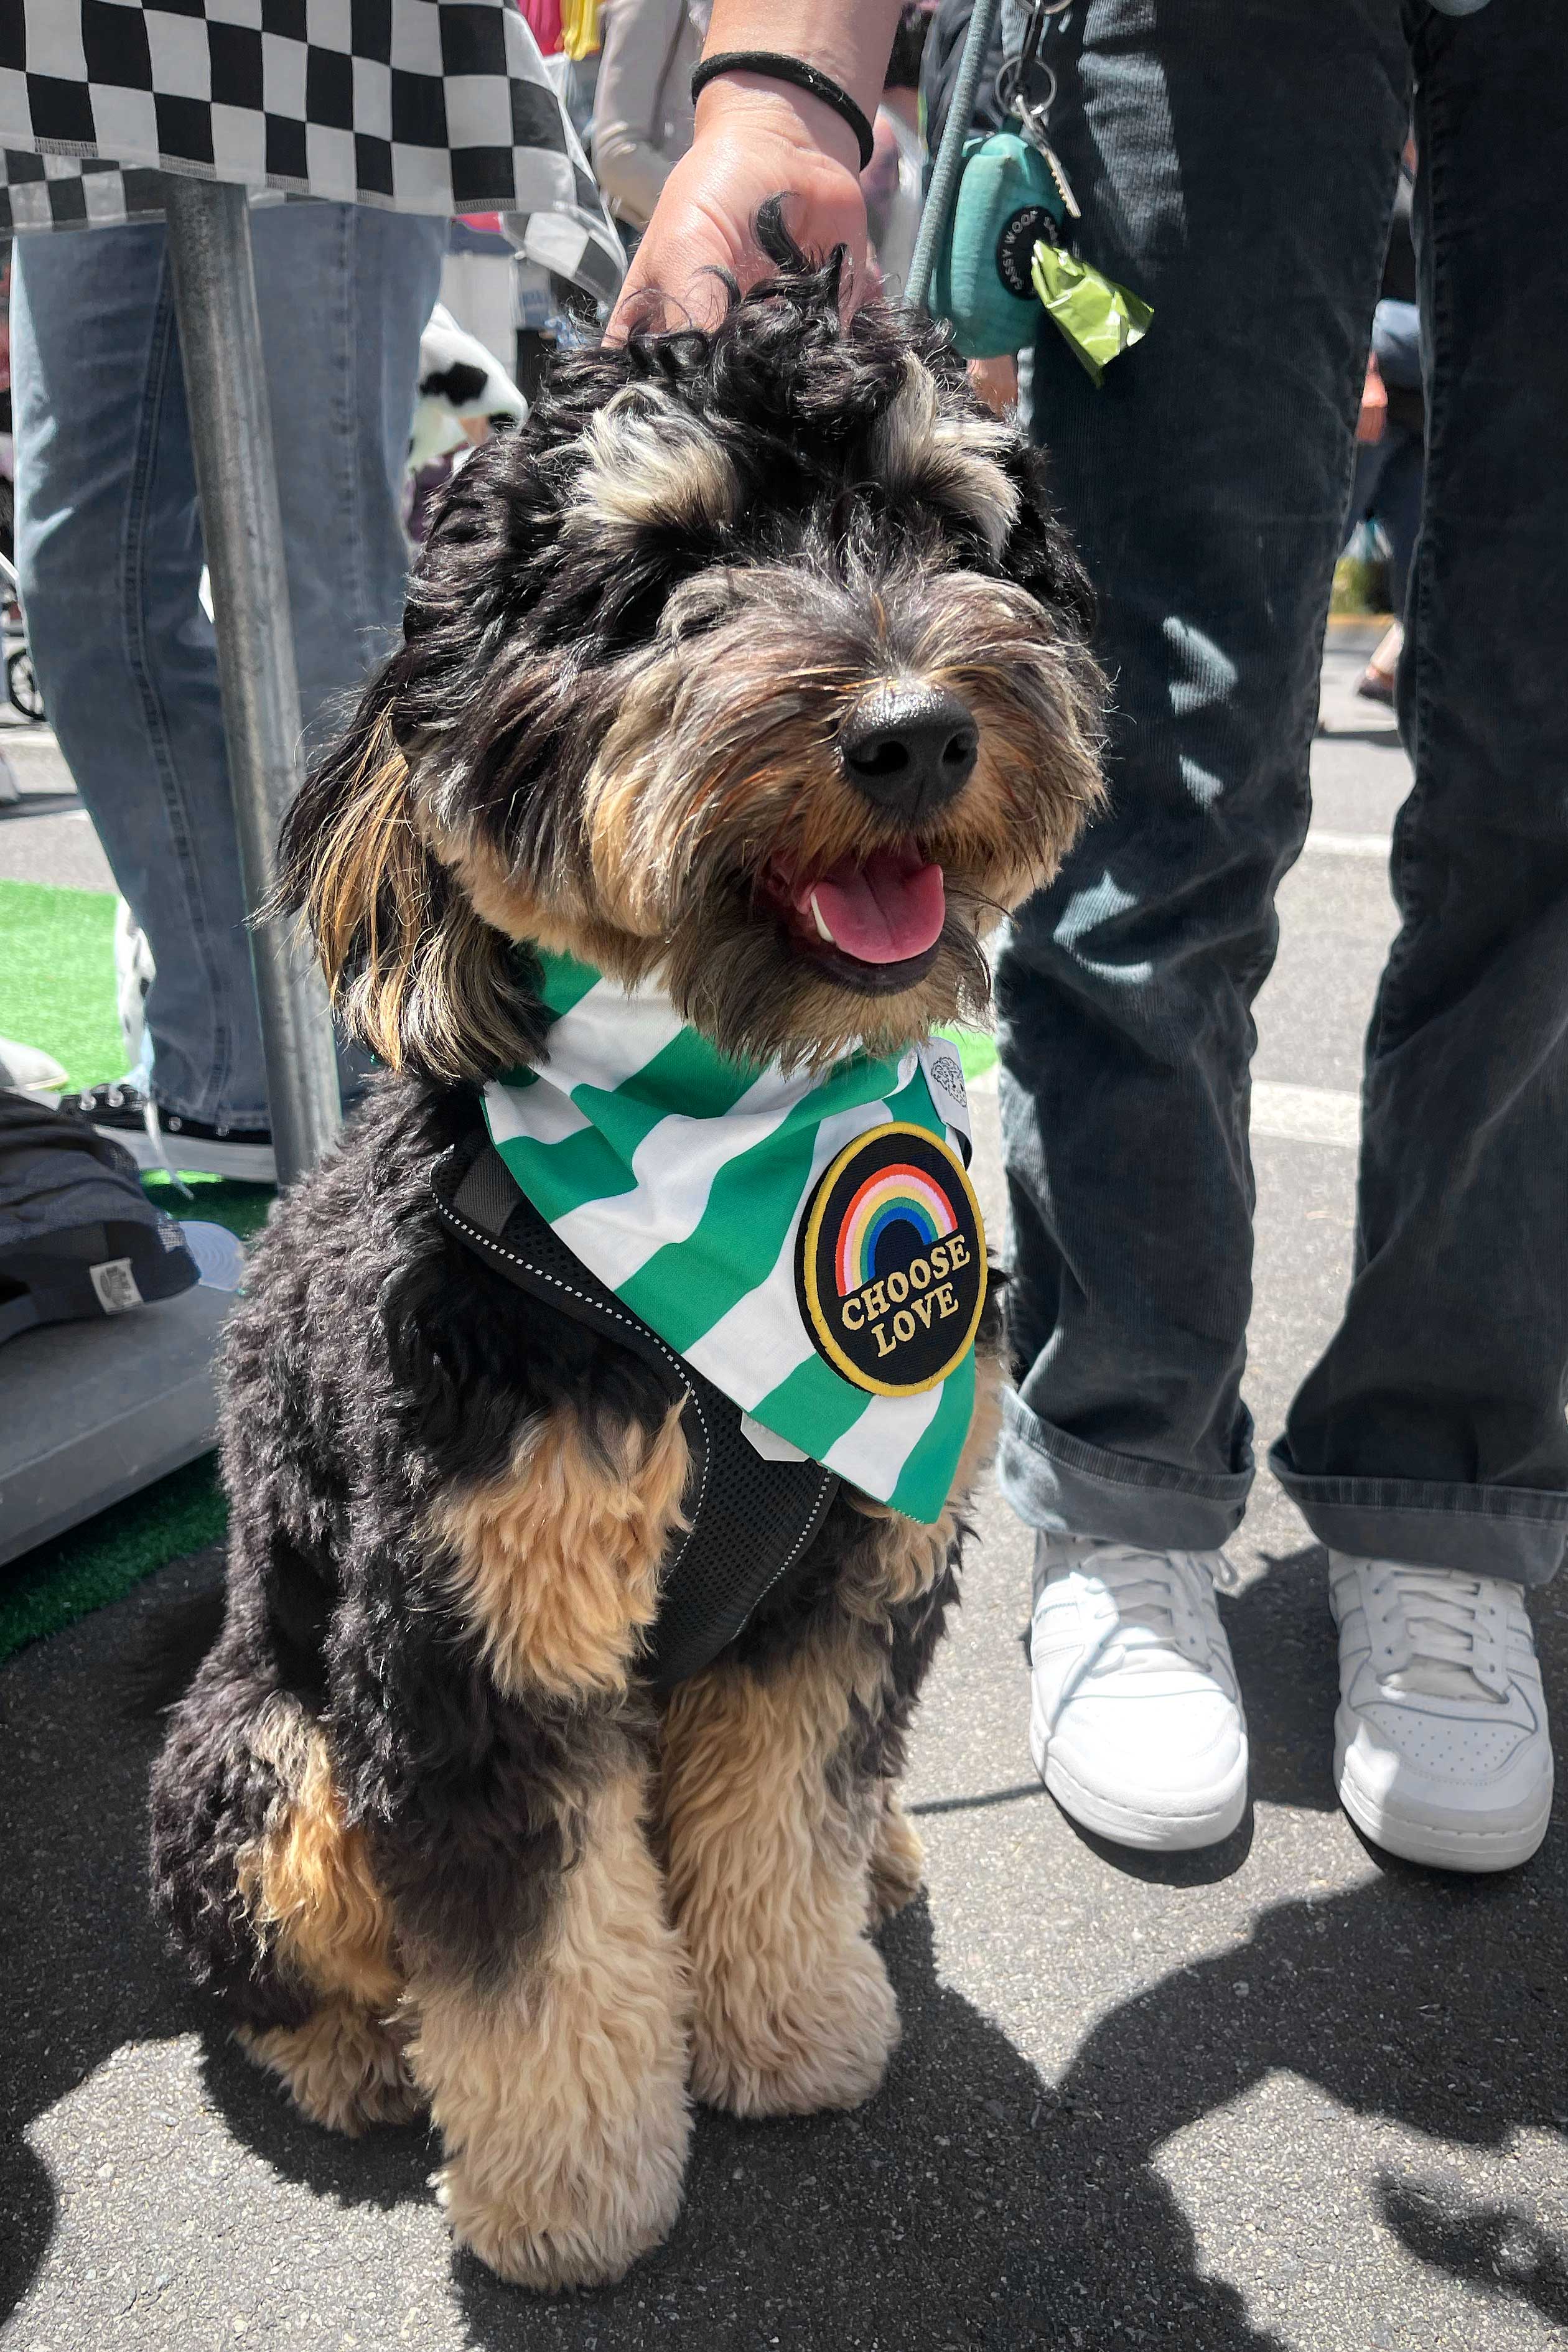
[873, 923]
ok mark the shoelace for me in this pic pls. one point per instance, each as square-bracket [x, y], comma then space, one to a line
[155, 1138]
[153, 1127]
[1437, 1634]
[1159, 1592]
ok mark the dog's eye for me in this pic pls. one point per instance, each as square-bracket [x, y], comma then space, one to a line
[948, 459]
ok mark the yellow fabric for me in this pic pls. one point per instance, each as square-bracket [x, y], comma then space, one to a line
[580, 28]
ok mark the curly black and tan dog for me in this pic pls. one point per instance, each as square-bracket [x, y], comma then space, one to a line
[744, 689]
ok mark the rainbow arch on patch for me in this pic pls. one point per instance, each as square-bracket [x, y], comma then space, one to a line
[897, 1195]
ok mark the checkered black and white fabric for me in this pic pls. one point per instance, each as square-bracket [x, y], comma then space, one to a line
[423, 106]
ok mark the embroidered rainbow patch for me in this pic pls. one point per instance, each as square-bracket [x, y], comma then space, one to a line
[891, 1262]
[904, 1194]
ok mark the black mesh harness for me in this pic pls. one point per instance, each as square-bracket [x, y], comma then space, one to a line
[751, 1520]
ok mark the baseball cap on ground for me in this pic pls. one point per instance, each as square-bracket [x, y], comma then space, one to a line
[78, 1237]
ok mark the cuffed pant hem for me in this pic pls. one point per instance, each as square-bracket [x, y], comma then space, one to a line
[1510, 1531]
[1060, 1485]
[245, 1126]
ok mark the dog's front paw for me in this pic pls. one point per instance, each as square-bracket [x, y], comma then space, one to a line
[344, 2068]
[897, 1862]
[551, 2217]
[796, 2048]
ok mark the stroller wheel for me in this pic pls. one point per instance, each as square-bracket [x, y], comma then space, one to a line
[22, 685]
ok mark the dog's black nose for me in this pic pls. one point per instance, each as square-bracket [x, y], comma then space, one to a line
[910, 750]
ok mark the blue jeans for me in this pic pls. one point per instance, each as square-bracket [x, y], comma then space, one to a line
[109, 549]
[1386, 485]
[1387, 489]
[1236, 167]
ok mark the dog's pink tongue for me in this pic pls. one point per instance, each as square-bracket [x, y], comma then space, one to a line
[884, 911]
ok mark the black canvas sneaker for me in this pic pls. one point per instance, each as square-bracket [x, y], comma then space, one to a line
[163, 1139]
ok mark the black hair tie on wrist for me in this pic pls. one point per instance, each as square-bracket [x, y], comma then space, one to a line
[790, 70]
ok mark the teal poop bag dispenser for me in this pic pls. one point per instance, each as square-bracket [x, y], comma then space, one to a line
[1006, 204]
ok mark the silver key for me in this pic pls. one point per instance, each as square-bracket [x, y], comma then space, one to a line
[1064, 190]
[1034, 121]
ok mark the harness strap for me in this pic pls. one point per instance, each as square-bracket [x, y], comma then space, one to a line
[751, 1521]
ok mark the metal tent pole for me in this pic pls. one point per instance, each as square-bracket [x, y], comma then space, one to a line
[237, 481]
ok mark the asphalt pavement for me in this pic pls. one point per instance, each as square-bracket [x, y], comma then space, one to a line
[47, 835]
[1284, 2094]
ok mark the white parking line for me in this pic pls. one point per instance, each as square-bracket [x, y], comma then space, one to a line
[1306, 1113]
[1349, 845]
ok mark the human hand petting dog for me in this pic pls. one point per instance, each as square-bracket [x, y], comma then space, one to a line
[757, 137]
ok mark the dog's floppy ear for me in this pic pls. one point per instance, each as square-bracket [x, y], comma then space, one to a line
[413, 972]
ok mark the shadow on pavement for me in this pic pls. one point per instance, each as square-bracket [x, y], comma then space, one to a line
[1283, 1639]
[81, 1962]
[970, 2204]
[1489, 2245]
[1201, 1866]
[40, 804]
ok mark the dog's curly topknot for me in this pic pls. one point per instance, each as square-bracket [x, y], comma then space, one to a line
[787, 385]
[781, 350]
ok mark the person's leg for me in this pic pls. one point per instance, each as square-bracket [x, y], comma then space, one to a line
[1396, 505]
[112, 556]
[1429, 1448]
[1433, 1429]
[1237, 169]
[108, 549]
[1370, 456]
[344, 292]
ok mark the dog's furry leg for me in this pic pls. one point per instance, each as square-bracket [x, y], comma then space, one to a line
[272, 1896]
[783, 1835]
[898, 1859]
[345, 2067]
[769, 1828]
[552, 2043]
[555, 1563]
[309, 1891]
[559, 2085]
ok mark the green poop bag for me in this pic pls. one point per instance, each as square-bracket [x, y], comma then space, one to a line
[1097, 317]
[1006, 206]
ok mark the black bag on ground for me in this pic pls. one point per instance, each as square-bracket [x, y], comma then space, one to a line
[78, 1234]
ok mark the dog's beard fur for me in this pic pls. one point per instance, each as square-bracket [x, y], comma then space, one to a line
[637, 630]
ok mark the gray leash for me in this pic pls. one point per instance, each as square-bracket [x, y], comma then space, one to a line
[950, 154]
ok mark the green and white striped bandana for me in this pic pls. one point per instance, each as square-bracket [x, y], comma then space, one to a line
[811, 1244]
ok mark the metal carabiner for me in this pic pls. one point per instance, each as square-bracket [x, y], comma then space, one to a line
[1010, 99]
[1014, 70]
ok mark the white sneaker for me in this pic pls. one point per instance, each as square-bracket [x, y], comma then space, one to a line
[1441, 1749]
[1136, 1728]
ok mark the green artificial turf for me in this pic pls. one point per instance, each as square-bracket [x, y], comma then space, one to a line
[106, 1557]
[57, 992]
[57, 977]
[213, 1200]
